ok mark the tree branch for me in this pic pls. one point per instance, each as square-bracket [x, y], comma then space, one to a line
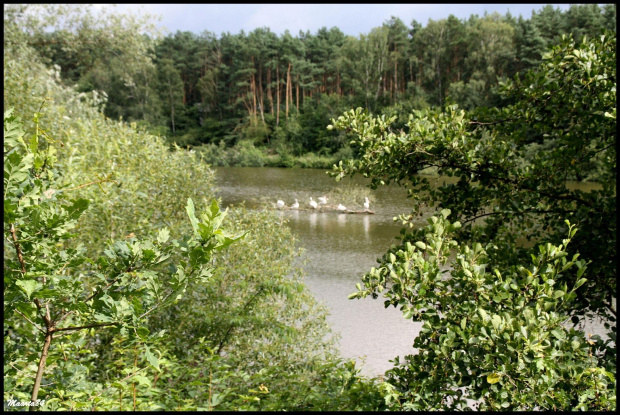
[20, 257]
[88, 184]
[83, 327]
[518, 184]
[230, 327]
[129, 269]
[155, 306]
[30, 321]
[491, 123]
[18, 249]
[125, 378]
[480, 216]
[596, 152]
[518, 213]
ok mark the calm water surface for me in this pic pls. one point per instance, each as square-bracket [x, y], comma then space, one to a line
[339, 249]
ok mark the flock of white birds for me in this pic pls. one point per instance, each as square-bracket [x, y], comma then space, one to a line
[322, 201]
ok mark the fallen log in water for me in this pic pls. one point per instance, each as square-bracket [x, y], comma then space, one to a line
[370, 212]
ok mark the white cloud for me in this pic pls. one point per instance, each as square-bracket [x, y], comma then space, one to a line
[352, 19]
[279, 18]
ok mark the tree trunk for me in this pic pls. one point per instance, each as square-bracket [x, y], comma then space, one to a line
[277, 95]
[419, 80]
[269, 95]
[385, 81]
[381, 80]
[288, 86]
[439, 79]
[260, 91]
[395, 86]
[297, 93]
[172, 109]
[338, 91]
[253, 90]
[39, 376]
[146, 96]
[290, 90]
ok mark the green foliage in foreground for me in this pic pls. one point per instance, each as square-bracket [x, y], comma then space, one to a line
[496, 311]
[47, 285]
[135, 184]
[497, 338]
[503, 194]
[158, 323]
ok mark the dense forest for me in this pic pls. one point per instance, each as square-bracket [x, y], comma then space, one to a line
[272, 96]
[126, 287]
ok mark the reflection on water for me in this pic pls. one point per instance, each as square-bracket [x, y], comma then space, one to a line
[366, 222]
[311, 218]
[342, 219]
[339, 248]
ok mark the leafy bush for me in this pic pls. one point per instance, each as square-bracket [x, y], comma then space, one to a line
[244, 154]
[214, 154]
[144, 183]
[51, 290]
[259, 332]
[498, 338]
[494, 309]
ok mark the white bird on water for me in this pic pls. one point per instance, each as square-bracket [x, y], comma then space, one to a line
[280, 204]
[295, 205]
[323, 200]
[366, 204]
[341, 207]
[313, 204]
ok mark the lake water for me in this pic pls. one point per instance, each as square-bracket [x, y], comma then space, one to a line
[339, 249]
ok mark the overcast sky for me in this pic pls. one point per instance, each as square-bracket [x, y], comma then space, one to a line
[352, 19]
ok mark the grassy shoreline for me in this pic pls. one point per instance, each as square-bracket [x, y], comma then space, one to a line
[245, 154]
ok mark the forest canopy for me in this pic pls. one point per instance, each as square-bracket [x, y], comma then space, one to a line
[277, 93]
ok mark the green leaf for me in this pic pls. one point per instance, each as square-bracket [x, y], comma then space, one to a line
[29, 286]
[558, 334]
[496, 321]
[580, 283]
[47, 293]
[143, 332]
[102, 318]
[76, 209]
[473, 340]
[142, 380]
[493, 378]
[192, 214]
[163, 235]
[153, 361]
